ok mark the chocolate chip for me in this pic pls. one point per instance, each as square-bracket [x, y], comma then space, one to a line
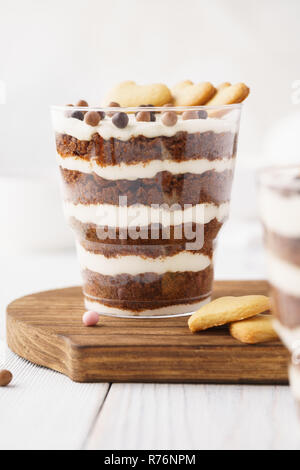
[143, 116]
[120, 120]
[77, 115]
[202, 114]
[112, 104]
[169, 118]
[101, 114]
[92, 118]
[190, 115]
[82, 103]
[5, 378]
[152, 113]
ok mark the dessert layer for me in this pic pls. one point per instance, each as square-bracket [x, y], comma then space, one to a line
[148, 290]
[154, 235]
[134, 264]
[141, 215]
[289, 336]
[283, 275]
[110, 250]
[286, 248]
[134, 171]
[107, 130]
[171, 310]
[209, 187]
[280, 212]
[286, 308]
[178, 148]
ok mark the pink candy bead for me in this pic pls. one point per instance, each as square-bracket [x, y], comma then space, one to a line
[90, 318]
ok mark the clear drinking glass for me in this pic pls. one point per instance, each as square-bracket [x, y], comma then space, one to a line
[146, 191]
[279, 202]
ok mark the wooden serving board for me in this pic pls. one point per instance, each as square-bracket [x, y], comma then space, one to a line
[46, 329]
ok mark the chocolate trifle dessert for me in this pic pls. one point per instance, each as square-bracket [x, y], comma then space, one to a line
[280, 210]
[146, 189]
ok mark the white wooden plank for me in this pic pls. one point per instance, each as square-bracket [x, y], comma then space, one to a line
[149, 416]
[42, 409]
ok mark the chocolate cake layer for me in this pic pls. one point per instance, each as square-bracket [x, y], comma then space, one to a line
[286, 308]
[180, 147]
[148, 290]
[151, 235]
[140, 307]
[287, 248]
[149, 251]
[165, 188]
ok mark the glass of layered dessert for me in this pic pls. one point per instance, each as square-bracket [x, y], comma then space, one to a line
[279, 199]
[146, 191]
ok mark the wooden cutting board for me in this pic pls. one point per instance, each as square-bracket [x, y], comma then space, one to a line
[46, 329]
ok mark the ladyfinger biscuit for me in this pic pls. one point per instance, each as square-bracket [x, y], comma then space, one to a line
[227, 310]
[187, 93]
[223, 85]
[258, 329]
[129, 94]
[229, 95]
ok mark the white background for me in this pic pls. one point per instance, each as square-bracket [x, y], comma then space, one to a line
[58, 51]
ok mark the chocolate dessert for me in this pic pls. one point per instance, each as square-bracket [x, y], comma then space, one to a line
[280, 209]
[146, 192]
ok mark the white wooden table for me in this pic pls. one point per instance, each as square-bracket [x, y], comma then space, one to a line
[45, 410]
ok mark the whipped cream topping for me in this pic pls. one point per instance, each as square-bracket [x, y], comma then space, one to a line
[144, 170]
[280, 213]
[283, 275]
[140, 215]
[171, 310]
[134, 264]
[106, 129]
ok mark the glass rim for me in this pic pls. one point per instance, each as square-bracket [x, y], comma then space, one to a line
[265, 176]
[134, 109]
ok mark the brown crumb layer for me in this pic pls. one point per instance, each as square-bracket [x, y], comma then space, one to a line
[148, 290]
[154, 251]
[151, 235]
[142, 306]
[286, 308]
[287, 248]
[164, 188]
[180, 147]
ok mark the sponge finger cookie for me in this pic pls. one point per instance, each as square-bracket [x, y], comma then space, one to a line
[258, 329]
[223, 85]
[186, 93]
[129, 94]
[227, 310]
[229, 94]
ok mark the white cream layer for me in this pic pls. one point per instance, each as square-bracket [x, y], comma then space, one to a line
[140, 215]
[134, 265]
[283, 275]
[279, 213]
[144, 170]
[294, 377]
[82, 131]
[172, 310]
[289, 336]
